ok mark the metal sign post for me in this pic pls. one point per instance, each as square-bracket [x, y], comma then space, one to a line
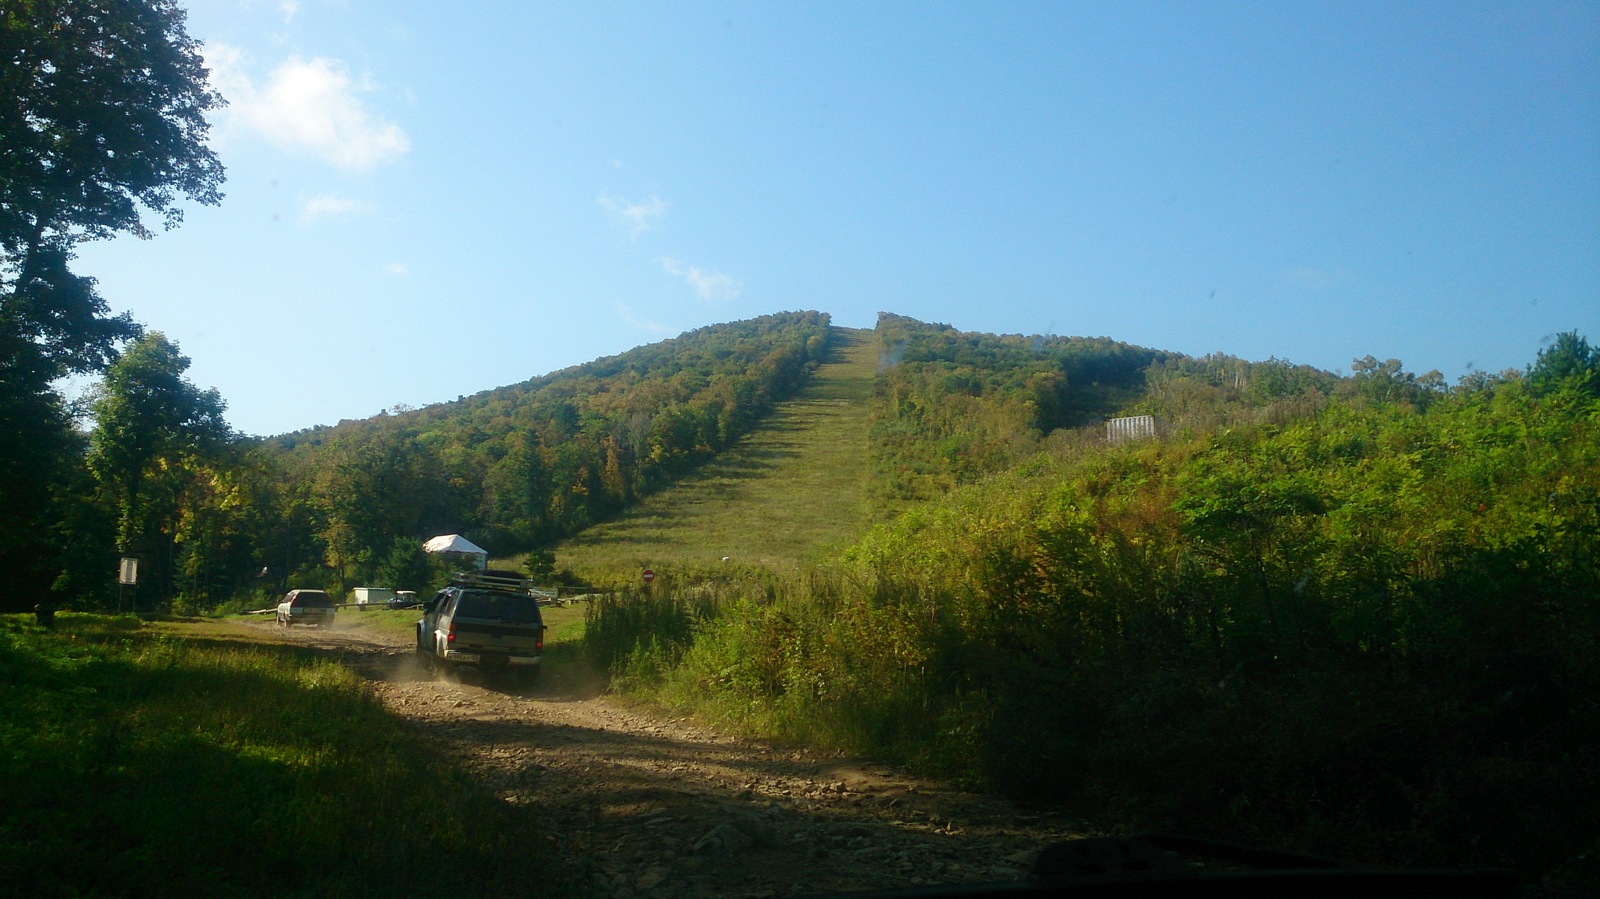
[127, 573]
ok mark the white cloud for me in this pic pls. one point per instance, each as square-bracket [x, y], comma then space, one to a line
[308, 106]
[634, 218]
[710, 286]
[323, 206]
[288, 8]
[650, 325]
[398, 269]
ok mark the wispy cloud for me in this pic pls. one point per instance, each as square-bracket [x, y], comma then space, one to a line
[306, 105]
[323, 206]
[633, 218]
[398, 269]
[650, 325]
[709, 286]
[288, 8]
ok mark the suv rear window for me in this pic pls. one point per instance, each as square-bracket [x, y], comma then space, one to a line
[318, 600]
[499, 606]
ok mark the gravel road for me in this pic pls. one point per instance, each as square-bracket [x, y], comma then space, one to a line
[654, 806]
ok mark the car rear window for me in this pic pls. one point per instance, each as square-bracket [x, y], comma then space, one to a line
[312, 600]
[499, 606]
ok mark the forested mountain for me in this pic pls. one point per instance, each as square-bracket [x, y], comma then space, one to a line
[1352, 614]
[520, 466]
[516, 467]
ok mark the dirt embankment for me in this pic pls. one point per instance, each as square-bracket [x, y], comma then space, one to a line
[657, 807]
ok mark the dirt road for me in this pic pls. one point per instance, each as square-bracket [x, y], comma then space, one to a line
[655, 807]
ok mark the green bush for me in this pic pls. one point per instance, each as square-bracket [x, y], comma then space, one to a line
[1372, 633]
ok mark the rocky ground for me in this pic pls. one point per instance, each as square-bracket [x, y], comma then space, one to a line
[658, 807]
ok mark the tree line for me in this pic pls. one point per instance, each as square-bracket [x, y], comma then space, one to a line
[217, 518]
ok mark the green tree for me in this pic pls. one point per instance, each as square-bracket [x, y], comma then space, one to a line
[1569, 359]
[407, 567]
[152, 426]
[37, 460]
[103, 120]
[1389, 382]
[372, 491]
[540, 564]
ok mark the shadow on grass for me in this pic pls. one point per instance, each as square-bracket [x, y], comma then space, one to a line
[141, 764]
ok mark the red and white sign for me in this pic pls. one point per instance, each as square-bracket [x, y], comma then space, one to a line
[648, 575]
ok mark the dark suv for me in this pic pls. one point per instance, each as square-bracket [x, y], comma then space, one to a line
[487, 619]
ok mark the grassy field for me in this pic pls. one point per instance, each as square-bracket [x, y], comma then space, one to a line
[565, 623]
[791, 492]
[202, 759]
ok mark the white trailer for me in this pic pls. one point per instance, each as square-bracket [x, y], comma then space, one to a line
[372, 596]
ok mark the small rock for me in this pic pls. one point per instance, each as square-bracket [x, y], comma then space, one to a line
[650, 879]
[723, 838]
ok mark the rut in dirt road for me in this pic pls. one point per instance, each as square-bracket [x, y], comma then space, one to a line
[652, 806]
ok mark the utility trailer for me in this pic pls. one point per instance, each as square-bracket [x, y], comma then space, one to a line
[371, 596]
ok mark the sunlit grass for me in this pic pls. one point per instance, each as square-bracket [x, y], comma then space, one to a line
[790, 493]
[142, 762]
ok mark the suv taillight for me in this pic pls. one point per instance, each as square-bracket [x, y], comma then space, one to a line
[450, 637]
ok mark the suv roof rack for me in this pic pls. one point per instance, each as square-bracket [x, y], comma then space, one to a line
[493, 580]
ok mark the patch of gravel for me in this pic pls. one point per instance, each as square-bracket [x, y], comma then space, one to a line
[648, 806]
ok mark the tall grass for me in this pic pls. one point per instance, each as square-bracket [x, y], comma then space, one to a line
[1372, 634]
[138, 763]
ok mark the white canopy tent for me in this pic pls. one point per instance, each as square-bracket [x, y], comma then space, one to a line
[455, 544]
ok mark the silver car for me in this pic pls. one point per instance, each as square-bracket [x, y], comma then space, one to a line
[306, 607]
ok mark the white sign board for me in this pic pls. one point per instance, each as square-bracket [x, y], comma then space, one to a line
[128, 571]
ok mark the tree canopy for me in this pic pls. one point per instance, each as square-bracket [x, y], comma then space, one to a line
[1569, 360]
[104, 120]
[149, 419]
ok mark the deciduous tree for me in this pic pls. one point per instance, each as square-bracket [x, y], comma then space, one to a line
[1569, 360]
[102, 121]
[149, 419]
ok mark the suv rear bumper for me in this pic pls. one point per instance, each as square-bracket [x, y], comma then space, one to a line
[469, 657]
[304, 618]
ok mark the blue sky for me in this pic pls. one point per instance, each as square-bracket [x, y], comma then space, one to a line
[426, 200]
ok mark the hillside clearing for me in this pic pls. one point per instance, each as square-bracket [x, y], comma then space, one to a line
[788, 493]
